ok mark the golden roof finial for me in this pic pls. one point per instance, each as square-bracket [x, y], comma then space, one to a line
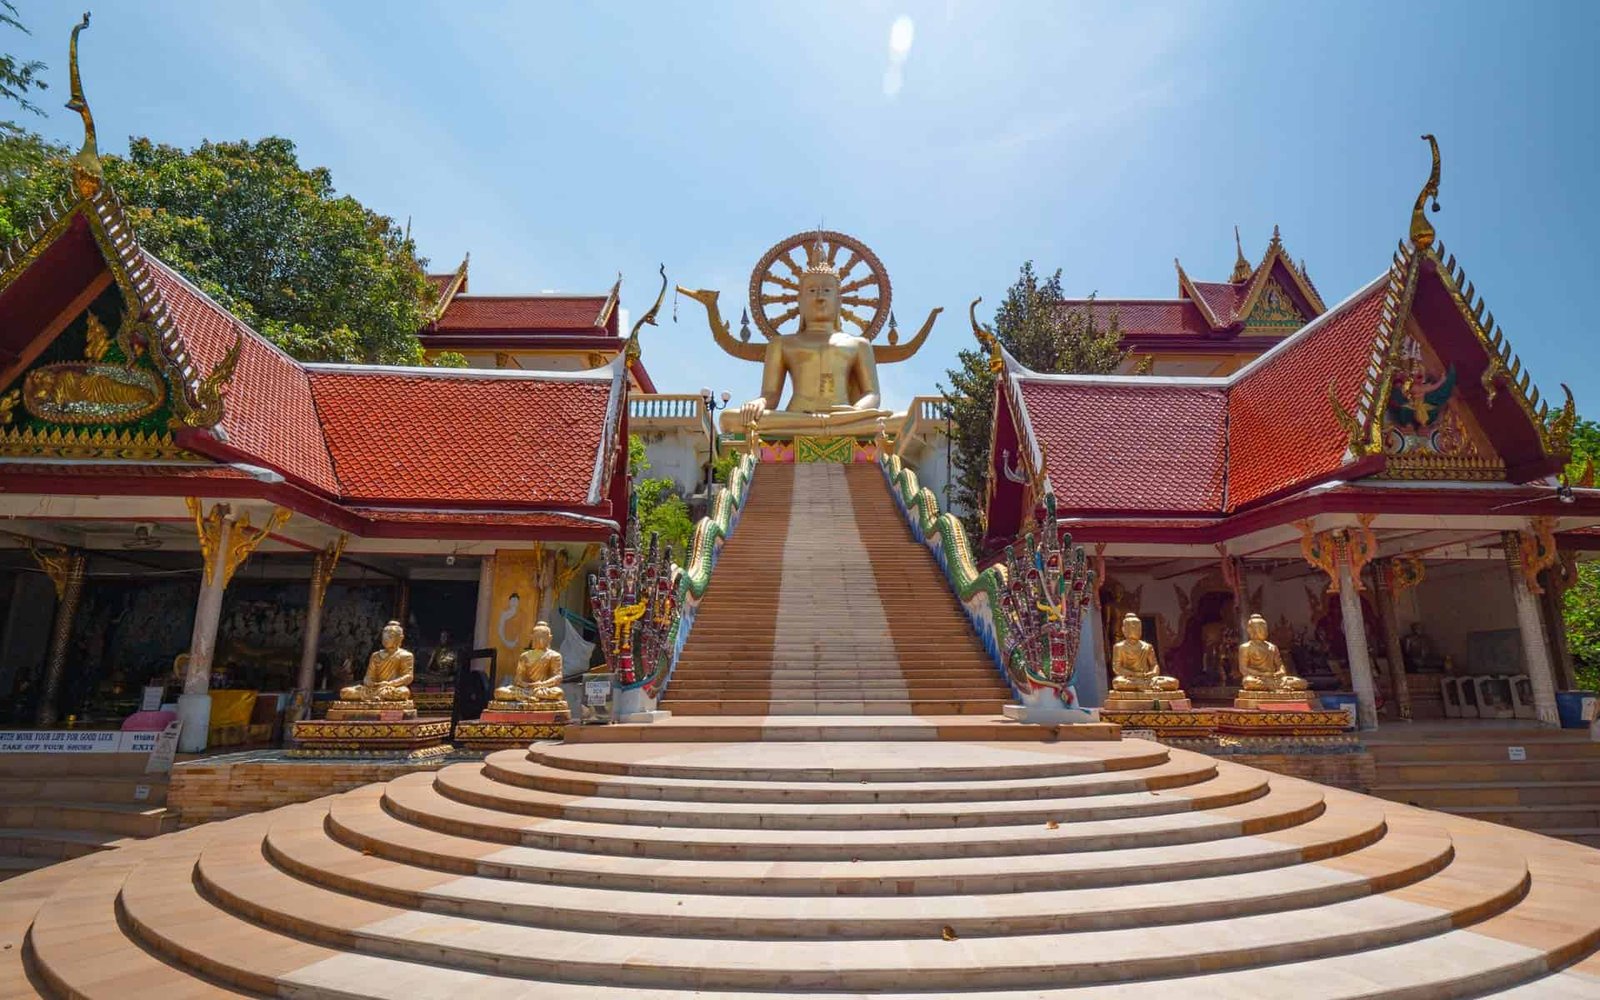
[632, 349]
[1241, 267]
[1422, 233]
[986, 339]
[87, 174]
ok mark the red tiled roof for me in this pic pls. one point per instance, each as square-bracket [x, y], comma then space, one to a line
[1129, 444]
[524, 313]
[398, 435]
[1223, 299]
[1281, 428]
[1114, 446]
[268, 412]
[1147, 317]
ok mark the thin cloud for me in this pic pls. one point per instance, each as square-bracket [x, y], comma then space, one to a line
[901, 34]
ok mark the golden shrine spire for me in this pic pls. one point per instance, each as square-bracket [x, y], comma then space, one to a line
[87, 174]
[1241, 267]
[1422, 232]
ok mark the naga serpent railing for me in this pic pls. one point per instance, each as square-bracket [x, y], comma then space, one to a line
[645, 605]
[1028, 610]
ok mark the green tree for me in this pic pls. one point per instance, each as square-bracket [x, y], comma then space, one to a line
[1581, 603]
[657, 505]
[319, 274]
[18, 79]
[1042, 332]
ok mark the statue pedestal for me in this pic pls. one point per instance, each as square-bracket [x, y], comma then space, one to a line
[371, 737]
[372, 711]
[1146, 701]
[1274, 700]
[501, 729]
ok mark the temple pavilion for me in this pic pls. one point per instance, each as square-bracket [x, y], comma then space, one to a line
[197, 498]
[1382, 483]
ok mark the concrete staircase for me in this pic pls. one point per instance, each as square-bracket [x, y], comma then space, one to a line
[823, 604]
[55, 807]
[1042, 870]
[1468, 771]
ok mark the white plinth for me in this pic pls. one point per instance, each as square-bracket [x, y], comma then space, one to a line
[655, 715]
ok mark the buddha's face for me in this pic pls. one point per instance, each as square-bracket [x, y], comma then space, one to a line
[1132, 627]
[1256, 628]
[392, 636]
[819, 301]
[540, 637]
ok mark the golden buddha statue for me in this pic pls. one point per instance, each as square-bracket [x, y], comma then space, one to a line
[832, 373]
[389, 673]
[536, 686]
[1263, 675]
[1137, 679]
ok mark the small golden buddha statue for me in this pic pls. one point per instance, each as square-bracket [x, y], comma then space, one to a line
[389, 672]
[1138, 679]
[1263, 675]
[536, 686]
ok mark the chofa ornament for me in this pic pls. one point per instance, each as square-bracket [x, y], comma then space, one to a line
[634, 605]
[1046, 592]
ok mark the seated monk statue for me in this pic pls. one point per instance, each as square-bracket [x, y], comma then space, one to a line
[1133, 661]
[389, 671]
[537, 683]
[1262, 669]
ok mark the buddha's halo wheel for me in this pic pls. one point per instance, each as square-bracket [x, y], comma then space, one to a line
[864, 291]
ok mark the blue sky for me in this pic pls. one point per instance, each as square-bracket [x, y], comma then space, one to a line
[561, 144]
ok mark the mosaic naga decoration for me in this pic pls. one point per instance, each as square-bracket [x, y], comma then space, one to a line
[645, 605]
[1028, 610]
[634, 604]
[1045, 594]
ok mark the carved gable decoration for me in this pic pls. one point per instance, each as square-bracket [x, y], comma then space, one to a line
[93, 392]
[1275, 311]
[1429, 432]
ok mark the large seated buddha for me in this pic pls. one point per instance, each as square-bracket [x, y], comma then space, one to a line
[832, 373]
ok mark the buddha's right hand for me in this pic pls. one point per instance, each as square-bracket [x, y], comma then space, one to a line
[753, 411]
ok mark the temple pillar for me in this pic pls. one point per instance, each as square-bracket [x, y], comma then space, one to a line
[1342, 553]
[480, 626]
[1389, 613]
[65, 567]
[1553, 603]
[321, 573]
[1355, 647]
[226, 541]
[1523, 573]
[402, 602]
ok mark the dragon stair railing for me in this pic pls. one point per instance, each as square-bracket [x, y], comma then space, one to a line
[1028, 610]
[644, 603]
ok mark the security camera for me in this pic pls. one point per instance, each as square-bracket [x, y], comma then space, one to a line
[450, 560]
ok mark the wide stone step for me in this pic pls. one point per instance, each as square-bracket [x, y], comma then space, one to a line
[122, 819]
[871, 762]
[811, 729]
[300, 846]
[1446, 795]
[1549, 769]
[749, 707]
[461, 846]
[422, 805]
[513, 768]
[240, 879]
[467, 783]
